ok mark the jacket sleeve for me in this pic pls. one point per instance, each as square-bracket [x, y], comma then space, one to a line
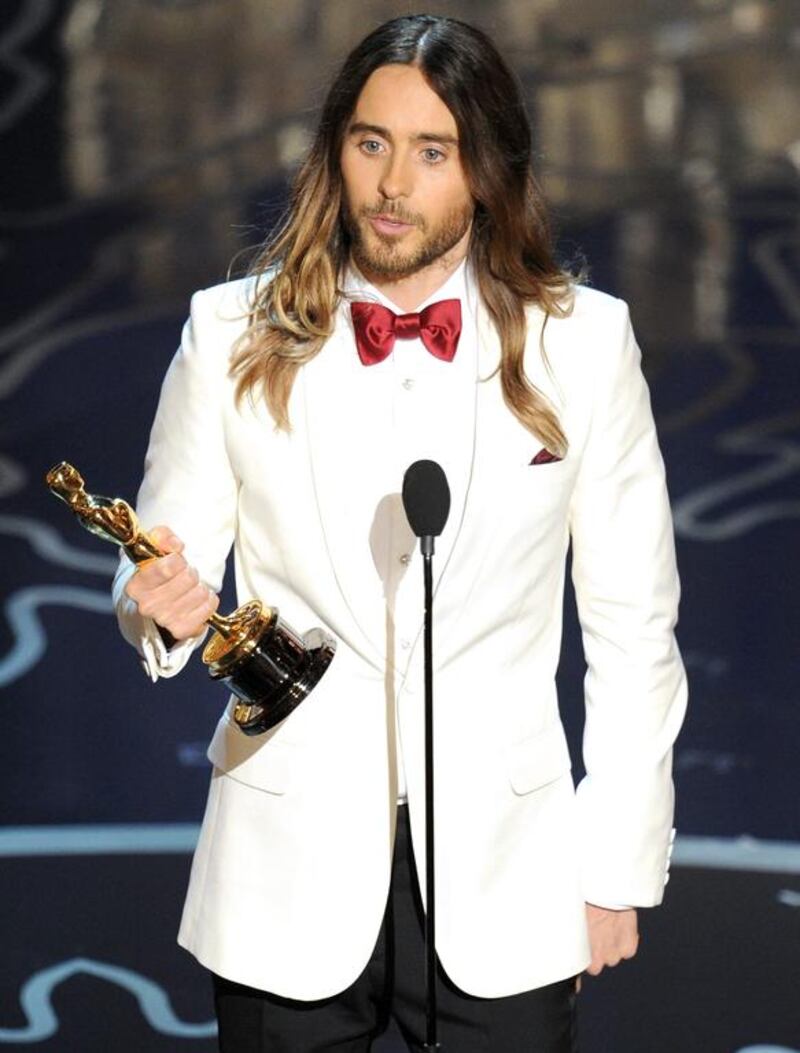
[627, 591]
[188, 483]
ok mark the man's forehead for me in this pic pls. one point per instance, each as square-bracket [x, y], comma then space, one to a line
[398, 100]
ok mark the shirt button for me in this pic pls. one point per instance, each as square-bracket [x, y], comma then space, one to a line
[405, 559]
[405, 644]
[408, 383]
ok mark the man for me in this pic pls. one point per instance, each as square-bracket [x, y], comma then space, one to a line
[400, 313]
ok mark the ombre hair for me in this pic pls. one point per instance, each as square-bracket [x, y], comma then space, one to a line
[298, 270]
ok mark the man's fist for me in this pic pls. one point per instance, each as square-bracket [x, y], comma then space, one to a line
[613, 935]
[169, 591]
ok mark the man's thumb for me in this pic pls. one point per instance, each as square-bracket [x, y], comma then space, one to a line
[165, 539]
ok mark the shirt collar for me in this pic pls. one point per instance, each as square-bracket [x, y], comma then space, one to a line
[460, 285]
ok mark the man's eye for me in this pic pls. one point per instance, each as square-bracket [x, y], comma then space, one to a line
[432, 154]
[370, 146]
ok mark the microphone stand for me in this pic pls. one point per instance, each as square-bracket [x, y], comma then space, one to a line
[426, 500]
[431, 1043]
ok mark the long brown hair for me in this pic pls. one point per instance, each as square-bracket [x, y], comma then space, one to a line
[297, 271]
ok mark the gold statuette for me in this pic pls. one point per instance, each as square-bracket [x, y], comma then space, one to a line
[267, 665]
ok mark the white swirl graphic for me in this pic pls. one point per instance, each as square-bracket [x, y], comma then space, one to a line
[694, 514]
[768, 1049]
[31, 79]
[47, 543]
[42, 1020]
[30, 640]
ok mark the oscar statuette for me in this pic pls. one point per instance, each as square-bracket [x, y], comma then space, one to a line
[262, 660]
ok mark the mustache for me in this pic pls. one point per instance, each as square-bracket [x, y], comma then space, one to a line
[392, 211]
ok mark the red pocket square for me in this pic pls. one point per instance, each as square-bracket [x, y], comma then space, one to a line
[545, 457]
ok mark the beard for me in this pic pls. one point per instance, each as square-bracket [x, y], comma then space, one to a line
[382, 257]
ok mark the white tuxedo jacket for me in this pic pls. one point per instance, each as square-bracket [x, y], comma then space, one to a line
[291, 873]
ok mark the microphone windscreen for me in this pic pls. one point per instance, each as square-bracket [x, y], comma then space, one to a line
[426, 498]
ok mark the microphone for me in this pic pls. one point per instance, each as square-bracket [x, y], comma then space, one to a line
[426, 500]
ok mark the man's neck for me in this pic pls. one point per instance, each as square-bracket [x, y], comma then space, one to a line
[413, 289]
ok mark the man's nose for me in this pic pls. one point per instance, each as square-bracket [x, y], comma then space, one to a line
[396, 177]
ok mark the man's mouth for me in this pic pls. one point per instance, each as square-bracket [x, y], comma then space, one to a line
[386, 224]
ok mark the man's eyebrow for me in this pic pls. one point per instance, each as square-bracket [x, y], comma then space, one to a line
[360, 127]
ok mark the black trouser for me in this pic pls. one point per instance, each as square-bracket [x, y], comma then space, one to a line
[393, 985]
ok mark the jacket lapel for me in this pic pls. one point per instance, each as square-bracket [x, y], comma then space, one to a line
[500, 442]
[459, 565]
[344, 428]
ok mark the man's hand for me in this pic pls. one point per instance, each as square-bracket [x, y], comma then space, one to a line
[170, 592]
[613, 935]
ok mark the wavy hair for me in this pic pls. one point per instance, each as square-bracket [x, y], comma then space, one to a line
[297, 271]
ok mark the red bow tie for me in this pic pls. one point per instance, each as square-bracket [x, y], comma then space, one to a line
[377, 328]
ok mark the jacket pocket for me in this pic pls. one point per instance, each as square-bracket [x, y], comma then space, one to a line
[540, 759]
[262, 761]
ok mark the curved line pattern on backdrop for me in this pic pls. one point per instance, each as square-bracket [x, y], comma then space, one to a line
[47, 543]
[22, 613]
[21, 608]
[693, 513]
[43, 1022]
[768, 1049]
[31, 79]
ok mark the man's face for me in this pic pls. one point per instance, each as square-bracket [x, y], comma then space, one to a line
[407, 203]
